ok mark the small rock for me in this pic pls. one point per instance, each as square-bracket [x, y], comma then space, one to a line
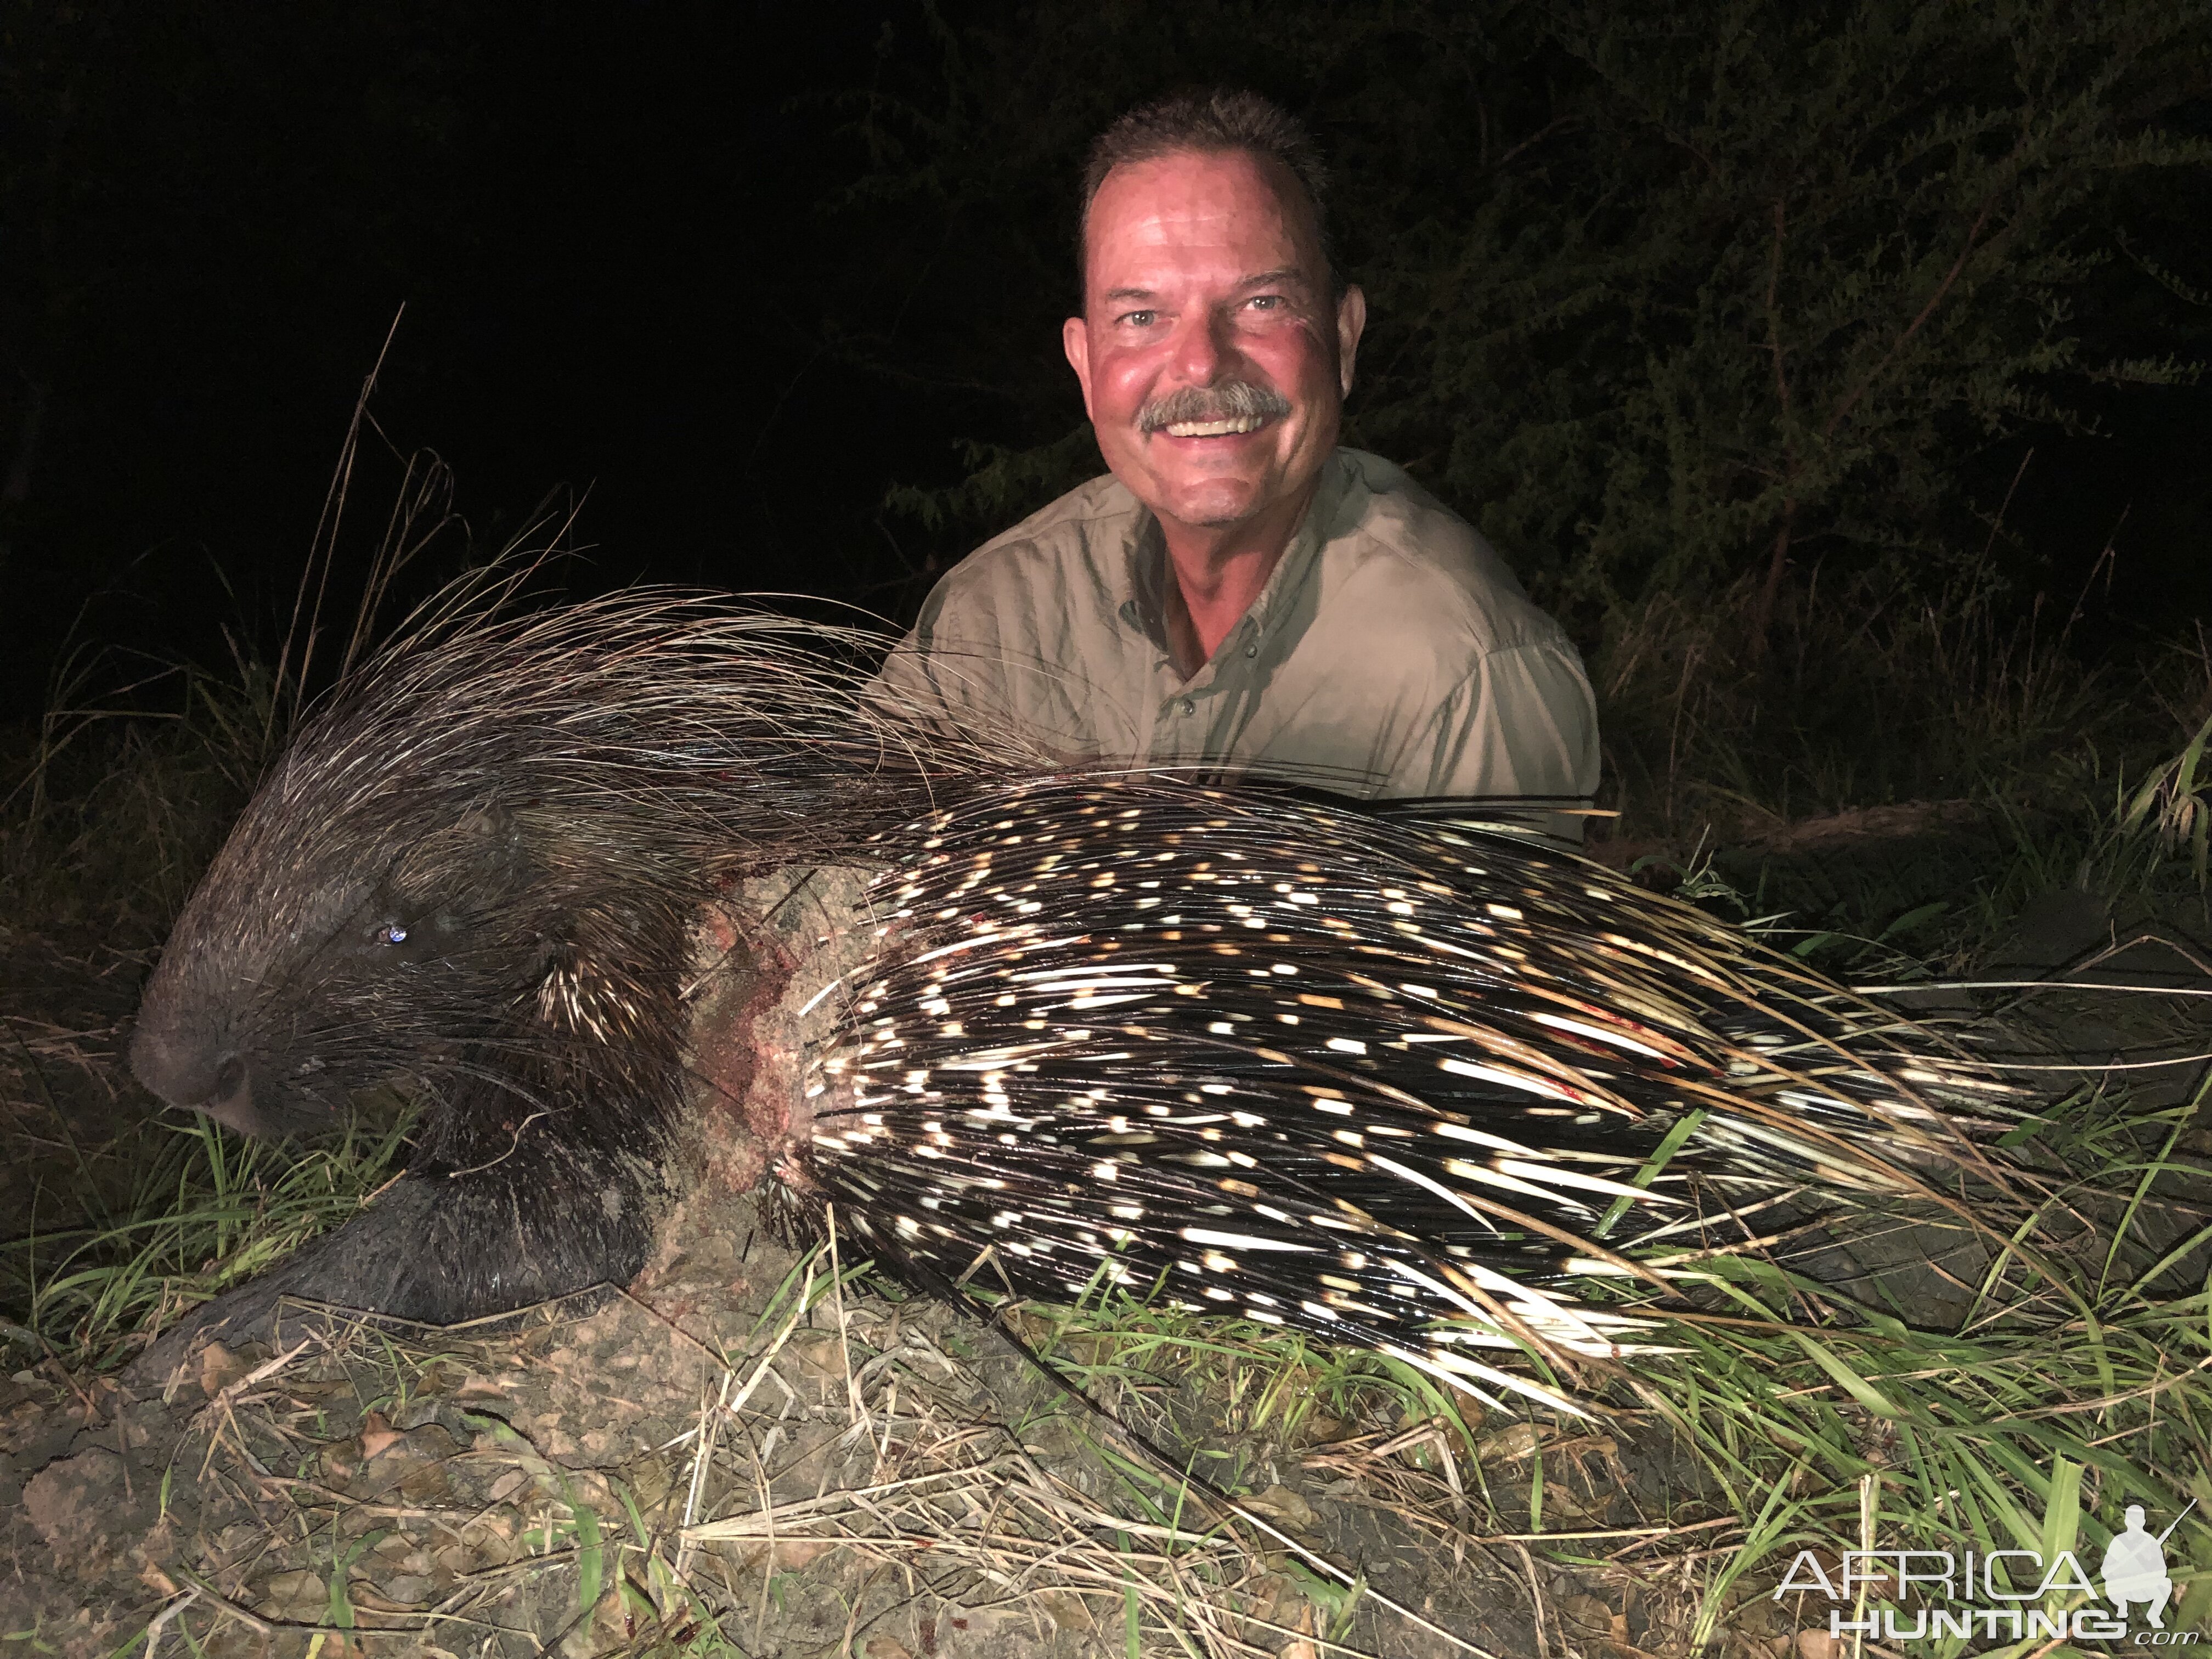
[816, 1354]
[220, 1368]
[1066, 1610]
[293, 1596]
[604, 1631]
[377, 1435]
[1284, 1507]
[1510, 1444]
[409, 1589]
[492, 1538]
[409, 1464]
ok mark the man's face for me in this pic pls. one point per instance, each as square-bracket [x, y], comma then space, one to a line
[1213, 365]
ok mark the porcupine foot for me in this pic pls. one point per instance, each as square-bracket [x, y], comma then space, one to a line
[437, 1249]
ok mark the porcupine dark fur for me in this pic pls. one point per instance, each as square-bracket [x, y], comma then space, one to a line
[477, 868]
[1374, 1076]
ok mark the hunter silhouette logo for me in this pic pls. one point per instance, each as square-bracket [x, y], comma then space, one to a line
[1939, 1595]
[2135, 1567]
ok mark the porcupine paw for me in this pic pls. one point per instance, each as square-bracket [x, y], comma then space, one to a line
[435, 1252]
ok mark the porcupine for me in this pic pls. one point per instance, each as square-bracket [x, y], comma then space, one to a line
[1380, 1077]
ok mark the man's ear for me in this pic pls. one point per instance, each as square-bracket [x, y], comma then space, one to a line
[1075, 341]
[1351, 324]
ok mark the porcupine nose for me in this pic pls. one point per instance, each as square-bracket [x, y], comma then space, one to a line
[184, 1072]
[229, 1078]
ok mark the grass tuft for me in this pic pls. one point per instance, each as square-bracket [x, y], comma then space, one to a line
[2078, 1379]
[211, 1209]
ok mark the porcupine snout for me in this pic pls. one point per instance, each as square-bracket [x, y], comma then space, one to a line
[198, 1070]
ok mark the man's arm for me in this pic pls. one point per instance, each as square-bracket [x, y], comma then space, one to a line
[1523, 722]
[954, 676]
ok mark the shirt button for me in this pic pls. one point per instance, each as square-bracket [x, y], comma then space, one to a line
[1188, 707]
[1251, 650]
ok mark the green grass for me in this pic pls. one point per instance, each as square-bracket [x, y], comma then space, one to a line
[2076, 1382]
[1136, 1355]
[2079, 1382]
[212, 1210]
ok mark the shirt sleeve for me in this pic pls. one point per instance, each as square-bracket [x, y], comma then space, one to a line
[954, 677]
[956, 689]
[1524, 722]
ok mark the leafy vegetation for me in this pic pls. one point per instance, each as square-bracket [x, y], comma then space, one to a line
[211, 1210]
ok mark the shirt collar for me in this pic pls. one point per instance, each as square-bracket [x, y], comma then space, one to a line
[1144, 607]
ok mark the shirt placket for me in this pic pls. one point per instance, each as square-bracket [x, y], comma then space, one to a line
[1182, 715]
[1180, 712]
[1188, 716]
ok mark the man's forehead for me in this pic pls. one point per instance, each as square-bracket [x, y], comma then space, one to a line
[1239, 213]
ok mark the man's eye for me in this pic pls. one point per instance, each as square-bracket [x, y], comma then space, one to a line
[391, 932]
[1266, 302]
[1140, 318]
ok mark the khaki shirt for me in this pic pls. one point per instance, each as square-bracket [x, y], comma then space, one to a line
[1391, 653]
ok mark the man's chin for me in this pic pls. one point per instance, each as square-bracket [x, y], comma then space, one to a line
[1215, 507]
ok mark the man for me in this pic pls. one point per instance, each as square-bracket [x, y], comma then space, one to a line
[1240, 591]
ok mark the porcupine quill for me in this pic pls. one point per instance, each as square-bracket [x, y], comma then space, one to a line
[1403, 1085]
[477, 867]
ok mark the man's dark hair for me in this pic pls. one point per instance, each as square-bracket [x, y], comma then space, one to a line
[1209, 121]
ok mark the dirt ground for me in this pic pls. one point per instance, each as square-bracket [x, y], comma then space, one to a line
[699, 1466]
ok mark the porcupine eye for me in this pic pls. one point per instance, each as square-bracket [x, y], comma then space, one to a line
[401, 935]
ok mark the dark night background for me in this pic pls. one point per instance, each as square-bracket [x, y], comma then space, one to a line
[737, 272]
[602, 227]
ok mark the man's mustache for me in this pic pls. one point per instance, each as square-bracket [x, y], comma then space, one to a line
[1224, 400]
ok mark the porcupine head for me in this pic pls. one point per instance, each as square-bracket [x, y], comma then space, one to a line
[516, 965]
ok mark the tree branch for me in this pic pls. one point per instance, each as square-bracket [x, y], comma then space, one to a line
[1950, 277]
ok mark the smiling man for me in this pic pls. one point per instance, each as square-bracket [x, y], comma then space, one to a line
[1241, 593]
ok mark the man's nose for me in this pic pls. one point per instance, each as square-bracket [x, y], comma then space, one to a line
[1202, 348]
